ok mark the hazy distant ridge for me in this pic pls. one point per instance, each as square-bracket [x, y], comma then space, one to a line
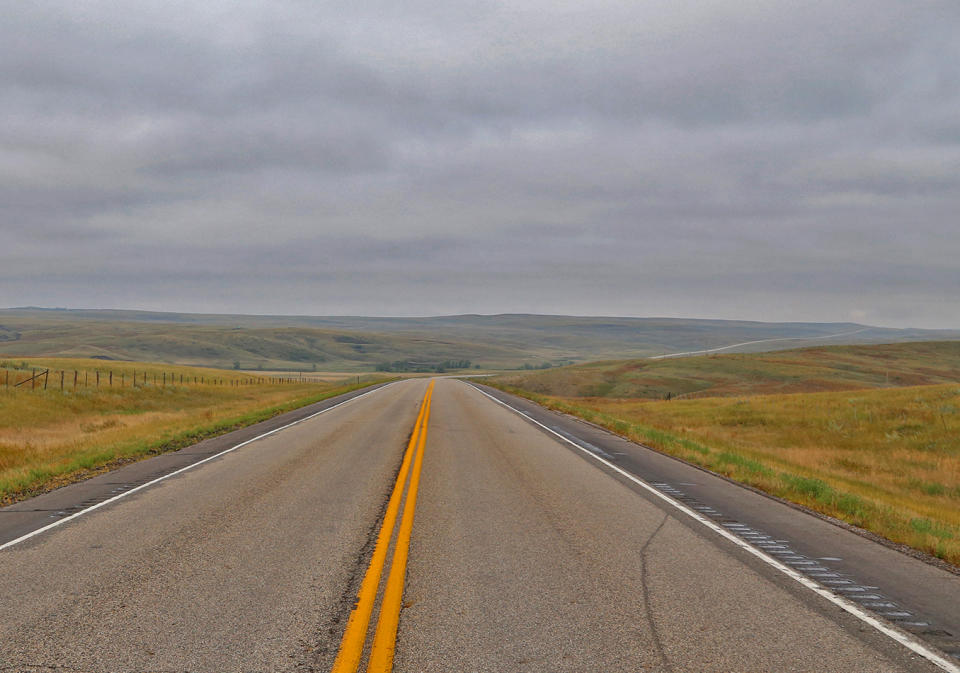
[357, 342]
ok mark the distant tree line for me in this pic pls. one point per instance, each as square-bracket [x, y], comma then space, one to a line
[422, 367]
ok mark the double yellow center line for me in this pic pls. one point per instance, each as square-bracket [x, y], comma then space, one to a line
[384, 640]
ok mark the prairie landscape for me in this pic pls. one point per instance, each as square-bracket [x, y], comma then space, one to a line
[879, 449]
[358, 344]
[49, 436]
[724, 230]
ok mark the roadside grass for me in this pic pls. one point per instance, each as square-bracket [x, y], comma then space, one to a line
[49, 438]
[886, 460]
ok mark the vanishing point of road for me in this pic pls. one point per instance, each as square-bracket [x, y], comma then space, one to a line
[442, 526]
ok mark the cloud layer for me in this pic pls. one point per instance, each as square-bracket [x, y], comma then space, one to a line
[778, 161]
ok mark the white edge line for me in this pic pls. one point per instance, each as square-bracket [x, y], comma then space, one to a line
[896, 634]
[73, 516]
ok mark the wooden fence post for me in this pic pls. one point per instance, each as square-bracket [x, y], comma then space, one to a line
[98, 378]
[61, 380]
[111, 378]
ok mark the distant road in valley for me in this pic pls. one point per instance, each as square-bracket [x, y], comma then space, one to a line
[758, 341]
[539, 543]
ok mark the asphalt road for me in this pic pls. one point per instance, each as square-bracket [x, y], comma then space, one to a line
[526, 554]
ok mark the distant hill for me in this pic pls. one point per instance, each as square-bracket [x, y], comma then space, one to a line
[353, 343]
[819, 369]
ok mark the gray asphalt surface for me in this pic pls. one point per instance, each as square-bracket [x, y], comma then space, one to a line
[917, 596]
[525, 557]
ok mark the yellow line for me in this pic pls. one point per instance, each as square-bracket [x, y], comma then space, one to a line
[384, 642]
[355, 634]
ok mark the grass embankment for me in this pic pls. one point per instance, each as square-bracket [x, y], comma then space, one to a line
[886, 460]
[49, 438]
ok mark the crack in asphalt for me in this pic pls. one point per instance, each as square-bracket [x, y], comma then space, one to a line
[648, 609]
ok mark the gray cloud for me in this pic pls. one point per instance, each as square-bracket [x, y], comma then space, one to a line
[782, 161]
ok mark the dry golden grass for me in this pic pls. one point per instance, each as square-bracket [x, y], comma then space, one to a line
[48, 437]
[885, 460]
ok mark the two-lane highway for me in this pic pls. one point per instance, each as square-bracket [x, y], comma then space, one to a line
[524, 555]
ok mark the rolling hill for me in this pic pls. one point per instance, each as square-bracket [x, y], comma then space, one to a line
[818, 369]
[345, 343]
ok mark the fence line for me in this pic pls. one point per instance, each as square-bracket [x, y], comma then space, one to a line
[17, 378]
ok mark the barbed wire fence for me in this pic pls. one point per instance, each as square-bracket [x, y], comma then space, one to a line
[17, 379]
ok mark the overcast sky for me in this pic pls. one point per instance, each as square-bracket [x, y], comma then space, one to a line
[778, 160]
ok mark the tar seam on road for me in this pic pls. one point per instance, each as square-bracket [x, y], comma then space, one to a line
[647, 607]
[852, 608]
[355, 632]
[75, 515]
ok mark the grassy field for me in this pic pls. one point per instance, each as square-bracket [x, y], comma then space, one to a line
[822, 369]
[884, 459]
[52, 437]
